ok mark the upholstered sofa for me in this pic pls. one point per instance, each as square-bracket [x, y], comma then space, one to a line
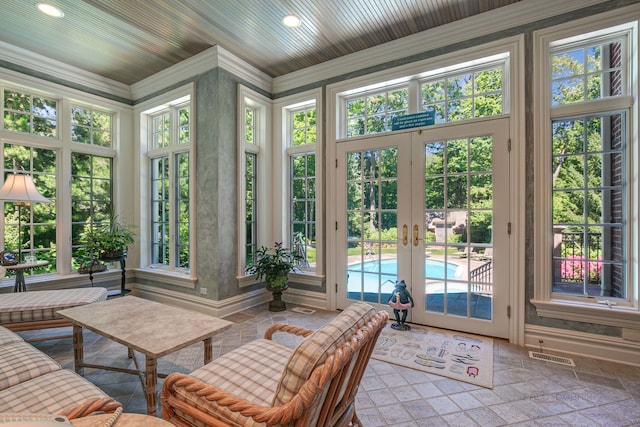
[33, 310]
[32, 382]
[265, 383]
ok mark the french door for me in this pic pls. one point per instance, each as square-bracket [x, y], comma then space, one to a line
[429, 207]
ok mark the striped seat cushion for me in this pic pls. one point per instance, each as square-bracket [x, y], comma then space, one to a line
[8, 337]
[251, 372]
[315, 348]
[21, 362]
[43, 305]
[49, 394]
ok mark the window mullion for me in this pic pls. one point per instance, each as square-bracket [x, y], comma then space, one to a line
[172, 210]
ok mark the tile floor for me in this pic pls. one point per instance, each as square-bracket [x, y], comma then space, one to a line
[526, 392]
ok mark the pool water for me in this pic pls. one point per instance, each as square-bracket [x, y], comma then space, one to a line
[366, 276]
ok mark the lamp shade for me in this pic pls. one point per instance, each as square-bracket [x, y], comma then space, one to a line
[20, 188]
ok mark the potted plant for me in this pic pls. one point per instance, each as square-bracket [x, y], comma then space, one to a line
[273, 265]
[109, 241]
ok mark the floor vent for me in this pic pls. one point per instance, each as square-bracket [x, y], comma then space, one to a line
[550, 358]
[303, 310]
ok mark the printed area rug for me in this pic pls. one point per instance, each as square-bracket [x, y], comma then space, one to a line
[455, 355]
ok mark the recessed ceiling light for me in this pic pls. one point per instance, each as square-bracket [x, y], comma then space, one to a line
[291, 21]
[50, 10]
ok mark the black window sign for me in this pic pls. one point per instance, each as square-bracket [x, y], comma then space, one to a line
[425, 118]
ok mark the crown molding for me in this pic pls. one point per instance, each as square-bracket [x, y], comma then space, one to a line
[246, 72]
[504, 18]
[178, 73]
[188, 69]
[58, 72]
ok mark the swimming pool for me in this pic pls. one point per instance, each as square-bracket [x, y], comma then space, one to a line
[367, 276]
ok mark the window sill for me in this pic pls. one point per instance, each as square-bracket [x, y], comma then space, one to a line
[300, 278]
[174, 278]
[52, 281]
[310, 279]
[624, 317]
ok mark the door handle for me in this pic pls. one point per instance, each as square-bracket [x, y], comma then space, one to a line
[415, 235]
[405, 235]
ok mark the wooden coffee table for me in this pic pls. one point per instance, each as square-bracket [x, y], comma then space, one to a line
[148, 327]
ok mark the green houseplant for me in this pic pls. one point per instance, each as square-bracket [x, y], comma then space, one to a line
[108, 241]
[273, 265]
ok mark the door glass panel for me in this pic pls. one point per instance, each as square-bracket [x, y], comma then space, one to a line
[372, 224]
[458, 212]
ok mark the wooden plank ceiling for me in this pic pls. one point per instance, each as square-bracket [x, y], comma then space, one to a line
[129, 40]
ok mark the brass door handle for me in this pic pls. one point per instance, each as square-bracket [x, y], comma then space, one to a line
[405, 235]
[415, 235]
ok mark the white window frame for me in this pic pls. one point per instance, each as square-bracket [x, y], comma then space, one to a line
[410, 87]
[547, 303]
[511, 50]
[91, 128]
[261, 105]
[63, 146]
[172, 100]
[485, 58]
[283, 150]
[34, 93]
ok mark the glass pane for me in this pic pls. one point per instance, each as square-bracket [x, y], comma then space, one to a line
[434, 193]
[457, 156]
[372, 230]
[589, 212]
[458, 213]
[434, 158]
[587, 73]
[456, 192]
[481, 191]
[433, 91]
[460, 86]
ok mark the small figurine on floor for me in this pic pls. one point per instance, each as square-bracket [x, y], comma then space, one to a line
[401, 300]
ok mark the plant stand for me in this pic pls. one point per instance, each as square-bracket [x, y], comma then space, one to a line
[276, 304]
[123, 279]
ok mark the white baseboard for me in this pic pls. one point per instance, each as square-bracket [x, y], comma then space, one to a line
[203, 305]
[614, 349]
[227, 306]
[306, 298]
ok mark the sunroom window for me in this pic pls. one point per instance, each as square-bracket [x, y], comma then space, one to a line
[91, 200]
[457, 92]
[170, 187]
[586, 174]
[30, 229]
[374, 112]
[89, 126]
[28, 113]
[589, 205]
[302, 184]
[254, 178]
[472, 94]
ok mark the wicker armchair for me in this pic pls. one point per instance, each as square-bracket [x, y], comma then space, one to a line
[263, 383]
[98, 405]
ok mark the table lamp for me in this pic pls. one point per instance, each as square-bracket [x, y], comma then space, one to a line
[19, 187]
